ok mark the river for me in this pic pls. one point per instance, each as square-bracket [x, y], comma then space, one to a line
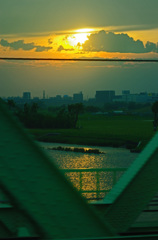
[112, 158]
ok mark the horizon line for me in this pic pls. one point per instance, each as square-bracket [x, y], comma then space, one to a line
[78, 59]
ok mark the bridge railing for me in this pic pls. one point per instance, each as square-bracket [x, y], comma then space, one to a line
[94, 184]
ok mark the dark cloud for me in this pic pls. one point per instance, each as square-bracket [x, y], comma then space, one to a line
[50, 41]
[61, 48]
[25, 46]
[122, 43]
[151, 47]
[17, 45]
[42, 48]
[127, 28]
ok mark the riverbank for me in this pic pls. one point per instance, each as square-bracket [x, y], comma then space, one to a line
[131, 132]
[134, 147]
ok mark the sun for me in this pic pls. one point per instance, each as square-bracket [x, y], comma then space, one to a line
[79, 37]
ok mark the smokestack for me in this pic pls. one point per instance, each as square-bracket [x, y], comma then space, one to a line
[43, 94]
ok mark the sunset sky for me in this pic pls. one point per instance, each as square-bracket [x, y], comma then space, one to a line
[78, 29]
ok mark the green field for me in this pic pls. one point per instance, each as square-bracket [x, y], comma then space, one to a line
[101, 130]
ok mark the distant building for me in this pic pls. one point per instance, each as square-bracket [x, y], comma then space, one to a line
[152, 97]
[142, 97]
[104, 96]
[58, 97]
[78, 97]
[129, 98]
[137, 98]
[118, 98]
[26, 96]
[44, 95]
[126, 96]
[125, 92]
[67, 99]
[35, 99]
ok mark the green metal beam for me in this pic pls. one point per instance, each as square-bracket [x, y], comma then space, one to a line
[12, 219]
[37, 188]
[134, 190]
[126, 237]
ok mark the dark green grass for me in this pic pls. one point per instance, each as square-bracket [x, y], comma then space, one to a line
[102, 130]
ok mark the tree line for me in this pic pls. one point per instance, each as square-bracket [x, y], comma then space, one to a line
[32, 116]
[155, 111]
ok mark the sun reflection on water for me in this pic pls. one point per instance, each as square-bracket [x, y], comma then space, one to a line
[88, 181]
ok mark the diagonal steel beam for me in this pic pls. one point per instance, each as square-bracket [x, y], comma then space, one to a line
[134, 190]
[39, 190]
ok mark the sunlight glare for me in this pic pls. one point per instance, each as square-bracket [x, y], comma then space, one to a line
[80, 36]
[78, 39]
[85, 30]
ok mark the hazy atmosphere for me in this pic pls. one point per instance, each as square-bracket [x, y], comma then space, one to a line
[78, 29]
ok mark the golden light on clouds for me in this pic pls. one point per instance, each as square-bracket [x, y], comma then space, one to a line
[70, 44]
[79, 36]
[85, 30]
[78, 39]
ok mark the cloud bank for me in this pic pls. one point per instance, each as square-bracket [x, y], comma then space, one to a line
[16, 45]
[122, 43]
[61, 48]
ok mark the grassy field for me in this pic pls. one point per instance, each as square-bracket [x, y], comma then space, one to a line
[100, 130]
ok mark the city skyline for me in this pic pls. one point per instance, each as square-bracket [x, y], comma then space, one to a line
[126, 95]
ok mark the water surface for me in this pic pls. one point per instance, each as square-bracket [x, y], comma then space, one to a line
[112, 157]
[92, 184]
